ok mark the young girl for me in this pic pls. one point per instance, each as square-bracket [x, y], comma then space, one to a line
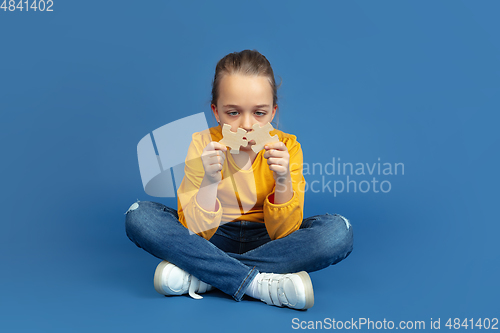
[239, 226]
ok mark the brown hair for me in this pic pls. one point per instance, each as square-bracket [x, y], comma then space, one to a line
[248, 62]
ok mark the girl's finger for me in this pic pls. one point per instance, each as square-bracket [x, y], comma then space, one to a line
[276, 145]
[217, 158]
[214, 145]
[219, 146]
[280, 170]
[275, 153]
[274, 161]
[212, 153]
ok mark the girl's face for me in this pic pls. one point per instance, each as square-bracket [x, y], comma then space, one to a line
[243, 101]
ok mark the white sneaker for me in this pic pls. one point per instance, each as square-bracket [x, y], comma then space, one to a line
[171, 280]
[294, 290]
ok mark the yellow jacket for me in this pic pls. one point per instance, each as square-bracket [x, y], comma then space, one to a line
[245, 195]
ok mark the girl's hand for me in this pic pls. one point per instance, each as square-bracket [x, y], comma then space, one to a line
[213, 158]
[278, 159]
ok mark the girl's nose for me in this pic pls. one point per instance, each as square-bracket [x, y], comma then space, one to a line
[247, 123]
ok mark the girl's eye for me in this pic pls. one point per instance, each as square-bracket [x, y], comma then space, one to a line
[258, 113]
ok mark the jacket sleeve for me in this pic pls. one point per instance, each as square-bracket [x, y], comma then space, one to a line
[191, 214]
[283, 219]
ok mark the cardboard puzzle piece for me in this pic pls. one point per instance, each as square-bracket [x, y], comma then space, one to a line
[261, 136]
[233, 140]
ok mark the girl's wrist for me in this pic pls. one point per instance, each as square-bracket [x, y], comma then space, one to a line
[283, 183]
[283, 178]
[207, 181]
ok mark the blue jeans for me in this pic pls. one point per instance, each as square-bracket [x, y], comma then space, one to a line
[238, 250]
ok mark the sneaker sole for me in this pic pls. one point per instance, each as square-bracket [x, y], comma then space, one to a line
[308, 289]
[157, 279]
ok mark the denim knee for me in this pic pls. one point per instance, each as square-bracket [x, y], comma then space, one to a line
[135, 218]
[336, 237]
[344, 235]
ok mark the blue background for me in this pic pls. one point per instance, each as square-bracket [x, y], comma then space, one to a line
[412, 82]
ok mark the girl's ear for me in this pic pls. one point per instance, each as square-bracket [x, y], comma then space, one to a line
[216, 112]
[274, 112]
